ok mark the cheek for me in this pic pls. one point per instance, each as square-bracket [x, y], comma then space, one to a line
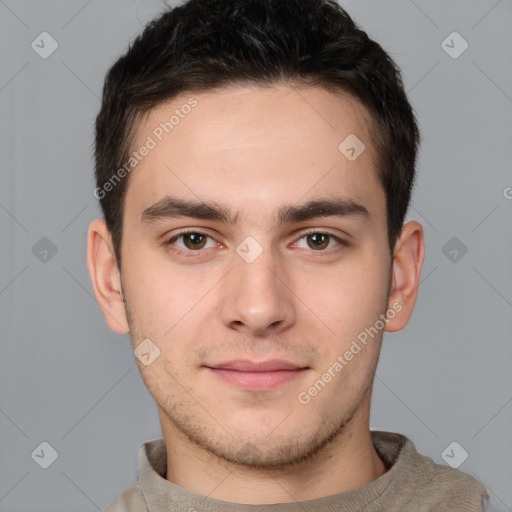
[150, 294]
[350, 299]
[166, 302]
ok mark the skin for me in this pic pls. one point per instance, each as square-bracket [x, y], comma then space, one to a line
[254, 150]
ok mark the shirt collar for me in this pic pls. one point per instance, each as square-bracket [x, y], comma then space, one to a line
[161, 495]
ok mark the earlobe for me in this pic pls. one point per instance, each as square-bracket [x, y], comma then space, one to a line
[408, 259]
[106, 281]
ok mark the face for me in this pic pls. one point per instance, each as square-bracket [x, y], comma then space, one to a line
[254, 254]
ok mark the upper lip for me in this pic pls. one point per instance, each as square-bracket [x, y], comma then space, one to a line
[244, 365]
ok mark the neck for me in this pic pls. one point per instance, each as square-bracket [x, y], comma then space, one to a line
[347, 462]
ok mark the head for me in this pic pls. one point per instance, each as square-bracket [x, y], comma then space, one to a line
[228, 119]
[207, 45]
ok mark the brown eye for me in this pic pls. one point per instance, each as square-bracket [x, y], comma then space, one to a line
[318, 240]
[190, 242]
[321, 242]
[194, 240]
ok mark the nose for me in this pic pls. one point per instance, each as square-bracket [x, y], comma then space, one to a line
[256, 297]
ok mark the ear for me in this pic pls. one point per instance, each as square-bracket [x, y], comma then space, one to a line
[408, 258]
[105, 277]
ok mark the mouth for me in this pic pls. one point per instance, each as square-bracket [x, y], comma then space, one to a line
[257, 376]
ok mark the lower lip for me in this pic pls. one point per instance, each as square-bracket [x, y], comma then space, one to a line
[257, 381]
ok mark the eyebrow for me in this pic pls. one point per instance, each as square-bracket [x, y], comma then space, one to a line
[173, 207]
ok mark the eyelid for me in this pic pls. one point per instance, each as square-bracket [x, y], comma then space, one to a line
[169, 241]
[328, 232]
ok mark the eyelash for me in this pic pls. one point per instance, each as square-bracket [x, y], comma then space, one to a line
[190, 253]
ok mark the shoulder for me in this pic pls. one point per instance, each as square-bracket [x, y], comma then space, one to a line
[130, 500]
[419, 483]
[449, 489]
[152, 466]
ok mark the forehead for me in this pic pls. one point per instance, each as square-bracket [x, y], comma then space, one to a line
[255, 146]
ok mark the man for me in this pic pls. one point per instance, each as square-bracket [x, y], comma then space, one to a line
[254, 163]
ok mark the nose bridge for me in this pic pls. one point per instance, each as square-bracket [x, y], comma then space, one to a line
[256, 294]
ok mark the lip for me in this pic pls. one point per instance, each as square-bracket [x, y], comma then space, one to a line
[257, 375]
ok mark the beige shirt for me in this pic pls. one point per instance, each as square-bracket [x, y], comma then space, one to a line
[413, 483]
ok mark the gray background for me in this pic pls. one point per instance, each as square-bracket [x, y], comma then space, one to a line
[66, 379]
